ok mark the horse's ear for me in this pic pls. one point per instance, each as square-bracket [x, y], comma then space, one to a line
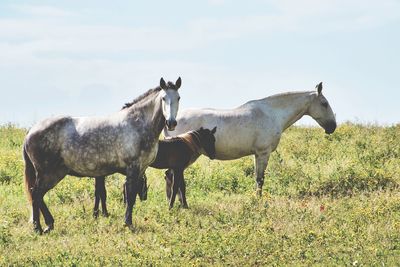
[319, 88]
[163, 85]
[178, 83]
[214, 130]
[201, 129]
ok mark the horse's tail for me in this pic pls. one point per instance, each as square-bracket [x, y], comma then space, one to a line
[30, 175]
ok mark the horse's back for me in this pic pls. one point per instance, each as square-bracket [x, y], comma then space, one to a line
[193, 119]
[172, 153]
[239, 130]
[45, 132]
[41, 143]
[245, 117]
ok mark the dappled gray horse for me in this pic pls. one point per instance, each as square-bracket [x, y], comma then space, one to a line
[125, 142]
[255, 128]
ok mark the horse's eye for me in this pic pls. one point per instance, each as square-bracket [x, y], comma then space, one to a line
[163, 98]
[324, 104]
[179, 98]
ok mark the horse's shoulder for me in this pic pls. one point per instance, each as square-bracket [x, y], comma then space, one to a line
[253, 109]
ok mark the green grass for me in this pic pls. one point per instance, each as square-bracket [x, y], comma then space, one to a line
[333, 200]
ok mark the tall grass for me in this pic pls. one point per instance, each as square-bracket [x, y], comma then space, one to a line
[333, 200]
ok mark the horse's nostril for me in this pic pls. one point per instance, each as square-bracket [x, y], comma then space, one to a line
[331, 127]
[171, 123]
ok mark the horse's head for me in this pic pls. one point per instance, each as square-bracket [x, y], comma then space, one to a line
[170, 102]
[321, 111]
[207, 141]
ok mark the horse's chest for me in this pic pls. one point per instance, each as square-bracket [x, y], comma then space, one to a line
[148, 154]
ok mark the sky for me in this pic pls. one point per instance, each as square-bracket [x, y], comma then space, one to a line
[88, 58]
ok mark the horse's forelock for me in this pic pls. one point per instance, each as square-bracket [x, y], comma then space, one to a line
[171, 86]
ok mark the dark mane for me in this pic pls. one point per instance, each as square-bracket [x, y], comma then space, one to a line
[142, 97]
[196, 134]
[170, 140]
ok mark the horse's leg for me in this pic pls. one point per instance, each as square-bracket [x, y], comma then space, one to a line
[182, 193]
[47, 184]
[124, 193]
[100, 195]
[131, 190]
[48, 218]
[175, 186]
[103, 198]
[38, 205]
[97, 182]
[36, 196]
[169, 176]
[261, 161]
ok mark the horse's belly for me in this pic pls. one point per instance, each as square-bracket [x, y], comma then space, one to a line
[233, 150]
[90, 161]
[94, 166]
[231, 154]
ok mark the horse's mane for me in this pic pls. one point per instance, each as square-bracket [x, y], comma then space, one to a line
[142, 97]
[191, 138]
[178, 137]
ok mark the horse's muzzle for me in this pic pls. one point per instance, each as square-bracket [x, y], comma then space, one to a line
[171, 124]
[330, 127]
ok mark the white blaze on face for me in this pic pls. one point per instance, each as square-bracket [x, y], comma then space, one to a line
[170, 106]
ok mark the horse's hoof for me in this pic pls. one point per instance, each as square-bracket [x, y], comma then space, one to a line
[95, 214]
[38, 230]
[49, 228]
[185, 207]
[129, 226]
[266, 205]
[105, 214]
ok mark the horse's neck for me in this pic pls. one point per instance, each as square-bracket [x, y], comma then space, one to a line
[290, 107]
[158, 119]
[188, 139]
[152, 115]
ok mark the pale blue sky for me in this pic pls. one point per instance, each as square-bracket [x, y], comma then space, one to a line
[89, 57]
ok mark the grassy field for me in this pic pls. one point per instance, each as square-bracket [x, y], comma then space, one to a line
[333, 200]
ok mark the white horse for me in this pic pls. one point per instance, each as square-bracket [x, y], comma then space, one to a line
[256, 127]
